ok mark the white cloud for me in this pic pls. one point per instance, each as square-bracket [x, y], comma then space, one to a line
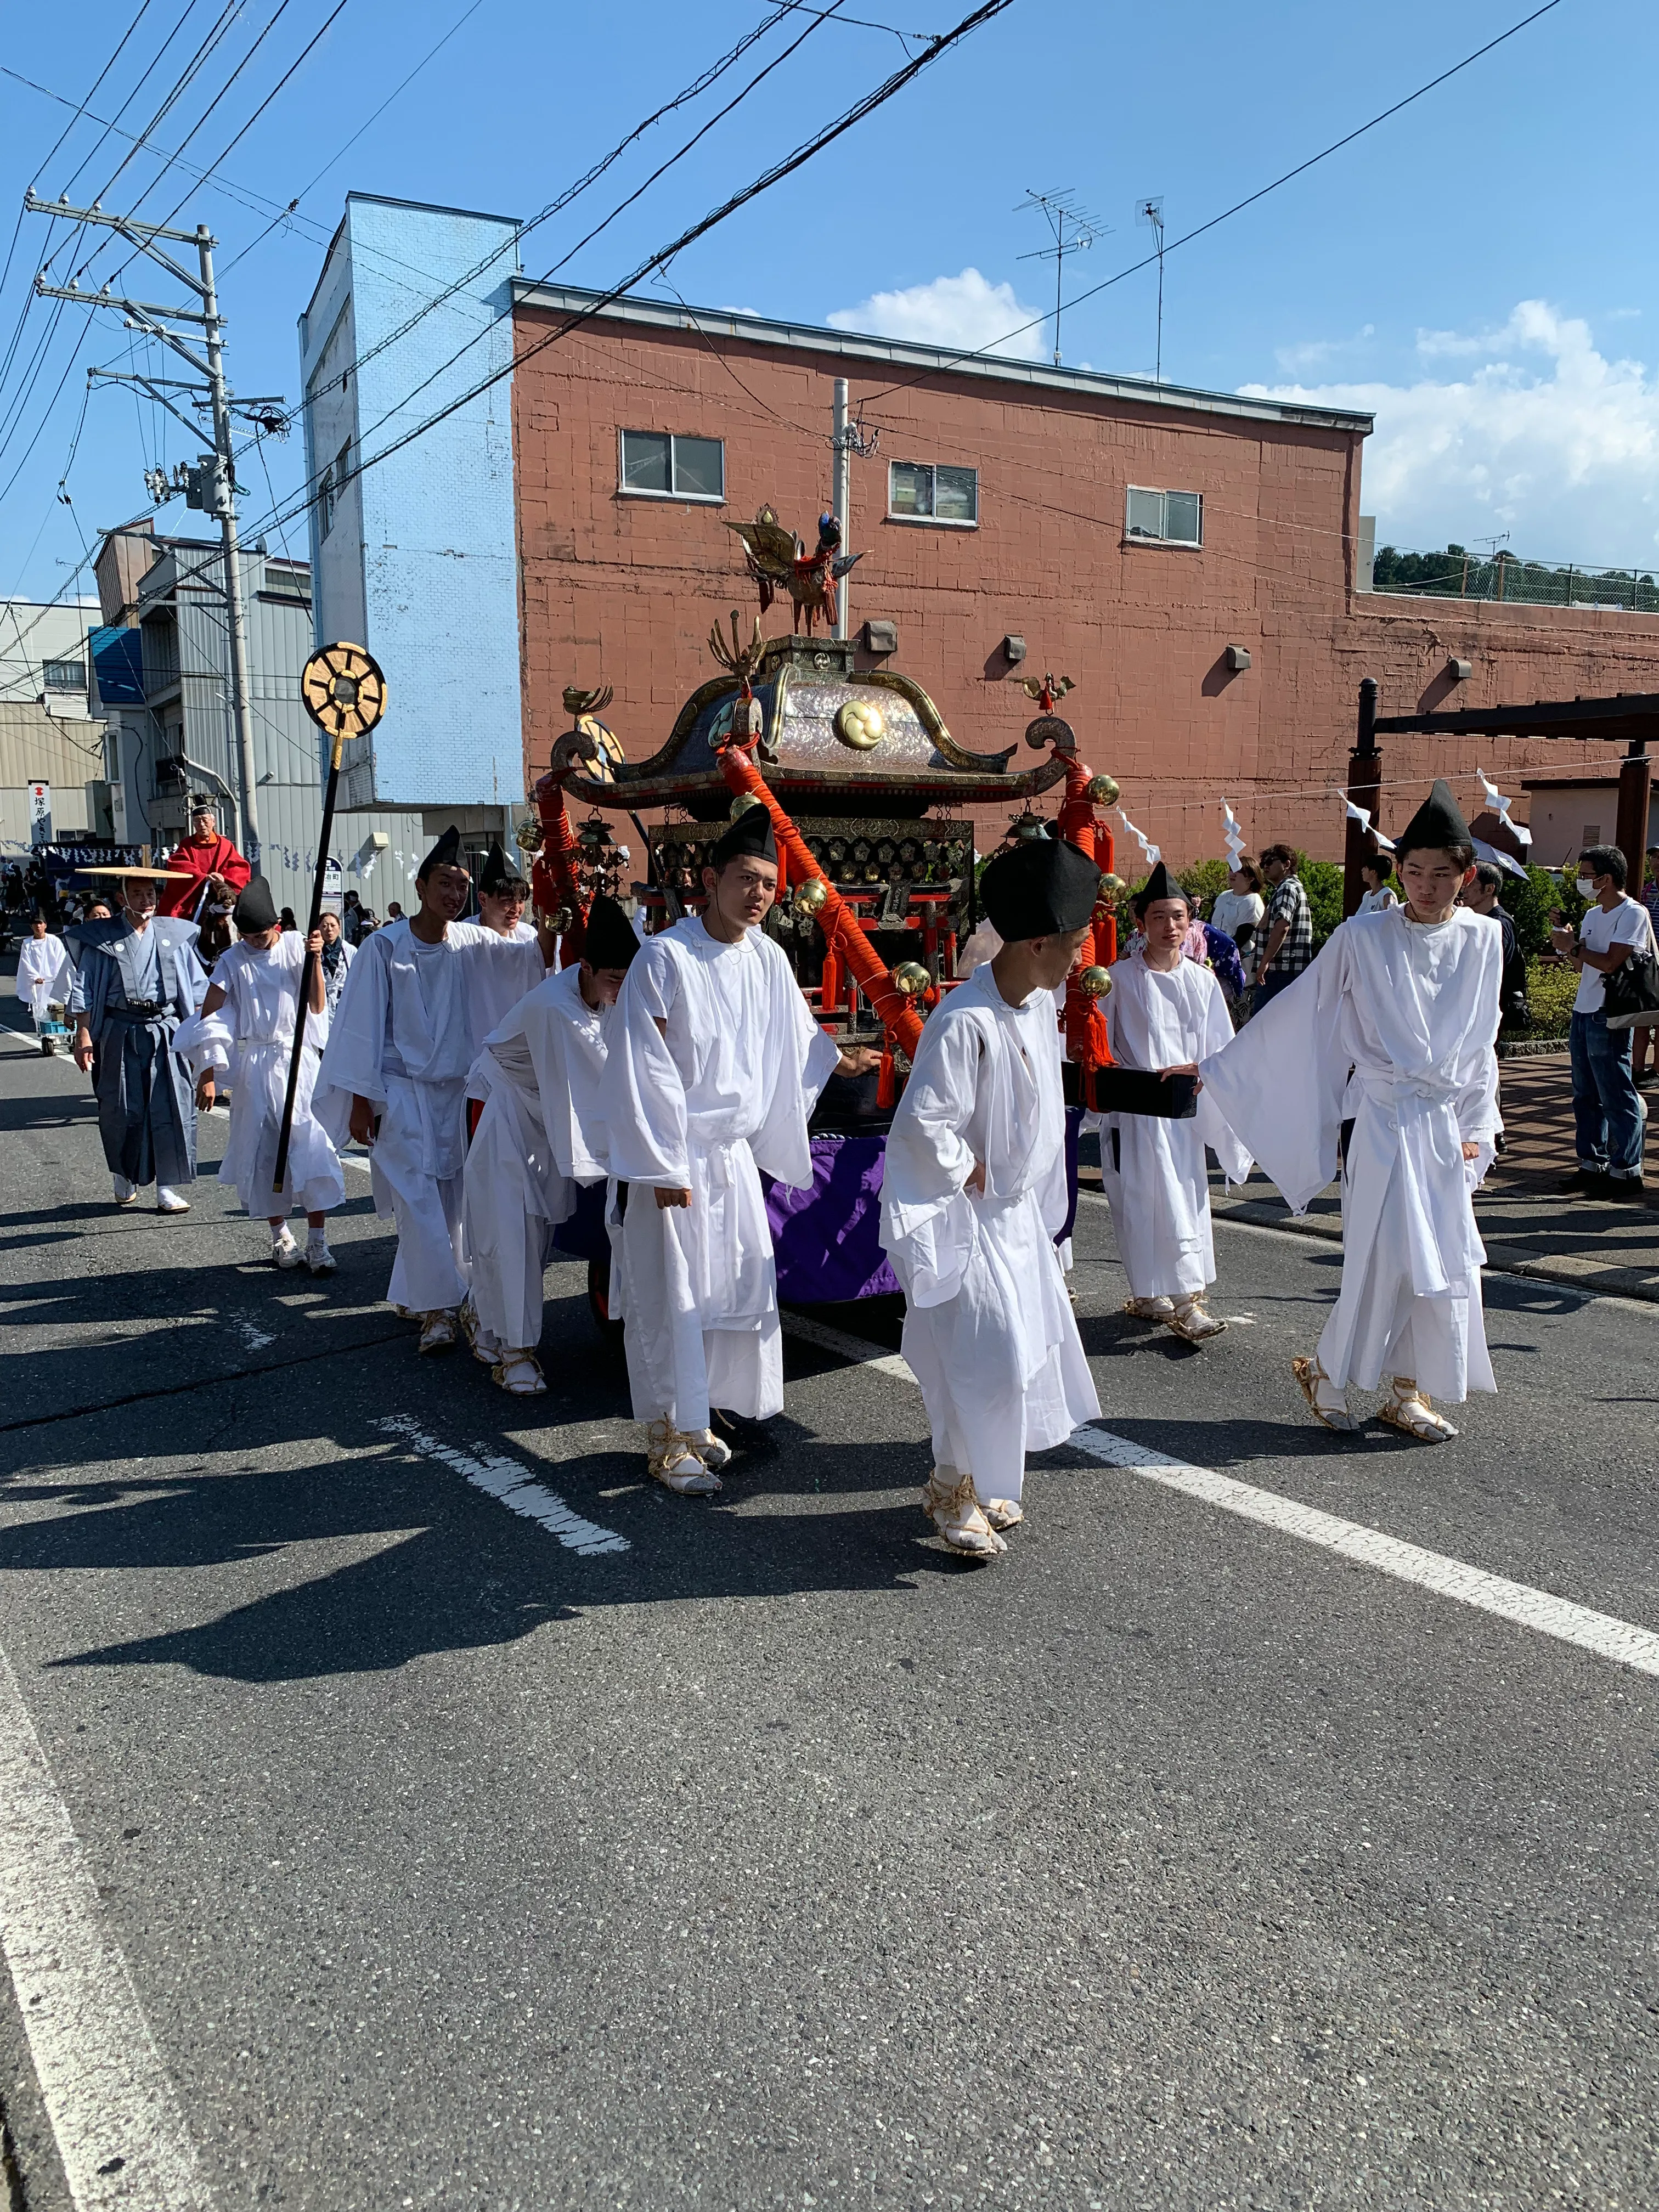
[1542, 436]
[966, 312]
[1319, 351]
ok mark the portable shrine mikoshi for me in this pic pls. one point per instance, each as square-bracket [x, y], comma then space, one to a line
[876, 864]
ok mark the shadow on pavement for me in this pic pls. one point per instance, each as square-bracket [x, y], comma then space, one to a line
[457, 1571]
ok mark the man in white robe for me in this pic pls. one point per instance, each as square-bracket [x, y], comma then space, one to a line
[1166, 1013]
[973, 1195]
[713, 1067]
[1387, 1040]
[503, 899]
[41, 960]
[539, 1138]
[247, 1022]
[393, 1077]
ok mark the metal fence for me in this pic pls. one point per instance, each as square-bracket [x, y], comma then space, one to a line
[1455, 574]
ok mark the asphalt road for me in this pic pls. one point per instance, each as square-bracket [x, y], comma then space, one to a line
[607, 1849]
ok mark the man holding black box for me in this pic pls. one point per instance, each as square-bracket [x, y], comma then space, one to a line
[1165, 1014]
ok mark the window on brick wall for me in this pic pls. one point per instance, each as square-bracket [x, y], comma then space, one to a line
[925, 491]
[660, 465]
[1169, 518]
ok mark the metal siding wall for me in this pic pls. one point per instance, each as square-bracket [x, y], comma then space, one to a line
[285, 741]
[290, 817]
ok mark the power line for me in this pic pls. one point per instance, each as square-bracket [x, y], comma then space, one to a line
[181, 84]
[787, 166]
[698, 84]
[1301, 169]
[287, 76]
[271, 96]
[305, 191]
[276, 17]
[17, 229]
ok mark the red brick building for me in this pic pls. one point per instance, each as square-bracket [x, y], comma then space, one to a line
[1190, 558]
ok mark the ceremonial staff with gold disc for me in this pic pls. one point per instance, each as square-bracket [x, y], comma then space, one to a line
[344, 694]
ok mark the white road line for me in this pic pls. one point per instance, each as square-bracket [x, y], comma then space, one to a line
[113, 2109]
[1599, 1632]
[853, 1348]
[1604, 1633]
[503, 1478]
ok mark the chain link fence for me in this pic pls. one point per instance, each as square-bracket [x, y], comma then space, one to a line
[1456, 574]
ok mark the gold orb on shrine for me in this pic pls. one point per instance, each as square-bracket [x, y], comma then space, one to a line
[563, 919]
[742, 804]
[859, 723]
[1112, 887]
[1095, 982]
[811, 896]
[911, 979]
[1104, 790]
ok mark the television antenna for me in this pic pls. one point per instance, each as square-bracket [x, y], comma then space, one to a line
[1075, 230]
[1150, 214]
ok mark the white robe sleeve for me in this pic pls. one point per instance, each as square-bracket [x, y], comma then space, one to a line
[1279, 1083]
[351, 1066]
[927, 1225]
[204, 1042]
[643, 1098]
[1479, 1117]
[569, 1072]
[1215, 1035]
[800, 1059]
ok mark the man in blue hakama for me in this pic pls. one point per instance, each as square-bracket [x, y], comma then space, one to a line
[136, 977]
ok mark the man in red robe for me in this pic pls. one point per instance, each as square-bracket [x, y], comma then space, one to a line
[212, 862]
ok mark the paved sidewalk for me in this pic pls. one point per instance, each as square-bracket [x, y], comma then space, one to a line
[1530, 1227]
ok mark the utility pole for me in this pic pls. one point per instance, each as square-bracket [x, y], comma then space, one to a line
[846, 439]
[841, 500]
[211, 485]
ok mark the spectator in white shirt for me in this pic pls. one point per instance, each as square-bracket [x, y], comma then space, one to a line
[1608, 1107]
[1239, 909]
[1380, 894]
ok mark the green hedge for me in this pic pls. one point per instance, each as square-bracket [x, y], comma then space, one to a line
[1552, 985]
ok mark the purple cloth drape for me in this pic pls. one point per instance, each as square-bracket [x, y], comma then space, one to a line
[826, 1240]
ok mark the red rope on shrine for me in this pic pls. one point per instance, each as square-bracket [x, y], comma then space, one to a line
[1087, 1040]
[843, 933]
[554, 884]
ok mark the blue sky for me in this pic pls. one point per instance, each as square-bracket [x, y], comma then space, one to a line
[1480, 272]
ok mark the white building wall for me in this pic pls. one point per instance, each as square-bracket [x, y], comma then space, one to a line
[430, 545]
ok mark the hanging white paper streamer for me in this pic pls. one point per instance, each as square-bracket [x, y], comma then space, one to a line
[1231, 836]
[1362, 815]
[1152, 852]
[1501, 806]
[1485, 852]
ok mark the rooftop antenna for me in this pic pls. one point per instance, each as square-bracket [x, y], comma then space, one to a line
[1150, 212]
[1075, 231]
